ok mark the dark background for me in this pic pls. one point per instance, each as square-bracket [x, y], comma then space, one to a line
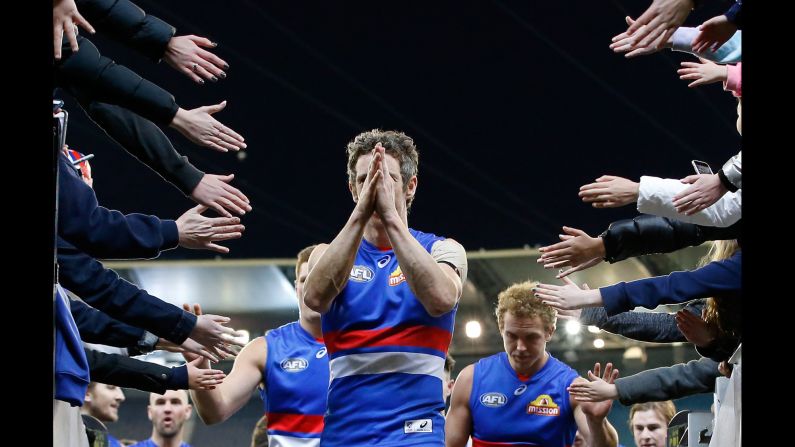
[513, 106]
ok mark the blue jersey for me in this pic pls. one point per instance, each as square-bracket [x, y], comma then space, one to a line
[296, 384]
[513, 412]
[113, 442]
[150, 443]
[386, 356]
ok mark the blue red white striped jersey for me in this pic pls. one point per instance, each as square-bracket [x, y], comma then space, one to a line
[386, 355]
[508, 411]
[296, 384]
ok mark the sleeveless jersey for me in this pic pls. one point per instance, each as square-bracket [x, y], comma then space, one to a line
[508, 411]
[386, 356]
[296, 384]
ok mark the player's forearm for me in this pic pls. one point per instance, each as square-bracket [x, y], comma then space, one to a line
[455, 438]
[456, 430]
[329, 275]
[435, 290]
[602, 433]
[211, 405]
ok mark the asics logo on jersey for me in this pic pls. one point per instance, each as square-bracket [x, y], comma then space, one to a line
[493, 399]
[320, 353]
[418, 426]
[294, 364]
[384, 261]
[361, 273]
[519, 391]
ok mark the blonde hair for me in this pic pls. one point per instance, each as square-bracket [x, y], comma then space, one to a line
[520, 301]
[303, 256]
[665, 409]
[719, 251]
[724, 313]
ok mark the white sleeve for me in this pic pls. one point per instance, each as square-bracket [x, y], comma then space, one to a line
[733, 170]
[451, 252]
[655, 196]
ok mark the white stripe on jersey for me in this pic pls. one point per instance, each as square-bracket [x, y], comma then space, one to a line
[387, 362]
[291, 441]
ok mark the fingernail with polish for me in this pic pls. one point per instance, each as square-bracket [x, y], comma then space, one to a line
[214, 79]
[226, 66]
[222, 75]
[201, 81]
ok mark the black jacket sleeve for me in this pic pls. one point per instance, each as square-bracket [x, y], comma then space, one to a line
[721, 349]
[672, 382]
[146, 142]
[97, 327]
[88, 72]
[105, 233]
[102, 289]
[115, 369]
[129, 24]
[648, 234]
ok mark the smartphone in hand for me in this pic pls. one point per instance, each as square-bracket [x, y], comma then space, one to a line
[701, 167]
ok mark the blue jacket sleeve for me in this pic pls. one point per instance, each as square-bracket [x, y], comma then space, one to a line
[735, 14]
[103, 289]
[716, 278]
[97, 327]
[71, 366]
[105, 233]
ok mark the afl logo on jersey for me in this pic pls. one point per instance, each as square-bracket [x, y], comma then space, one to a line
[320, 353]
[493, 399]
[519, 391]
[360, 273]
[384, 261]
[294, 365]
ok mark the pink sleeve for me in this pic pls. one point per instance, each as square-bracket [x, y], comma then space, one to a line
[734, 80]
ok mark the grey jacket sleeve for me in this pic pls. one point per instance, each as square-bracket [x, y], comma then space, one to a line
[657, 327]
[671, 382]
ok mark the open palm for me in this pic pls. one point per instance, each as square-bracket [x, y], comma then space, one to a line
[600, 409]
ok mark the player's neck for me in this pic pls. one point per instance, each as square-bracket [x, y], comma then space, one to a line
[531, 370]
[161, 441]
[375, 231]
[311, 326]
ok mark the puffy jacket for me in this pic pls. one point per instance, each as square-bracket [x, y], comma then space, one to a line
[647, 234]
